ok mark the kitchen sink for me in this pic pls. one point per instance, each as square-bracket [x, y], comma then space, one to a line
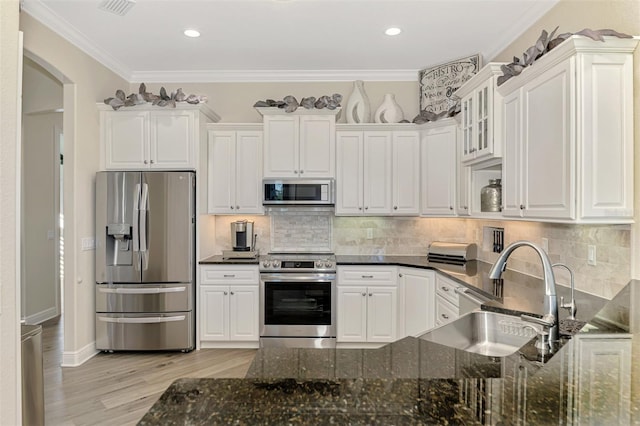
[484, 333]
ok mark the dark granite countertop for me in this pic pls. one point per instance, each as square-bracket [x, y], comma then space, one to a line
[219, 260]
[593, 378]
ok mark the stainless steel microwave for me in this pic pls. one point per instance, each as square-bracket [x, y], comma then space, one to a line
[298, 192]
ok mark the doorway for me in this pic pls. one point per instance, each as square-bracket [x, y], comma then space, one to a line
[42, 220]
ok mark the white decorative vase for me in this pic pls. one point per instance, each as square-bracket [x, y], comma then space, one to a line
[358, 108]
[389, 111]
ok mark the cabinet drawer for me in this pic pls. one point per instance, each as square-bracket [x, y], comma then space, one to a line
[367, 276]
[446, 289]
[445, 311]
[229, 274]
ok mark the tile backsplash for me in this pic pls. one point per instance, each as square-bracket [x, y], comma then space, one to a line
[412, 236]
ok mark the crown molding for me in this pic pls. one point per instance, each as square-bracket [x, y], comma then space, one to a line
[64, 29]
[263, 76]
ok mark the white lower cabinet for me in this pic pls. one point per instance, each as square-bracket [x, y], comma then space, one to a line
[417, 289]
[367, 304]
[229, 304]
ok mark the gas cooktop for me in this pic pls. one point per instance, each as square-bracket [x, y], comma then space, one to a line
[298, 262]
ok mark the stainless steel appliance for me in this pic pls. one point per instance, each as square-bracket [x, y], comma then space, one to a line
[280, 192]
[454, 253]
[145, 260]
[243, 241]
[298, 300]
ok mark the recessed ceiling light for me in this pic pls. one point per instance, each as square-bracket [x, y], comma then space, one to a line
[192, 33]
[393, 31]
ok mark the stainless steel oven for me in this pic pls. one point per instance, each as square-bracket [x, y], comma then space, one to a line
[297, 302]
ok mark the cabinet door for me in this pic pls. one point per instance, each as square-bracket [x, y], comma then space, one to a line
[483, 120]
[281, 145]
[549, 143]
[382, 314]
[352, 314]
[418, 306]
[214, 312]
[438, 171]
[172, 140]
[243, 313]
[248, 177]
[463, 190]
[406, 173]
[222, 172]
[317, 146]
[468, 140]
[377, 173]
[349, 168]
[126, 139]
[512, 202]
[606, 125]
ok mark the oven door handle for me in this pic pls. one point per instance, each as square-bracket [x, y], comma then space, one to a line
[311, 277]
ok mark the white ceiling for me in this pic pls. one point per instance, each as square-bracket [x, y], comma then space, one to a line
[286, 40]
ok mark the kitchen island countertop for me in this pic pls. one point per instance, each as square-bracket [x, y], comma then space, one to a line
[414, 381]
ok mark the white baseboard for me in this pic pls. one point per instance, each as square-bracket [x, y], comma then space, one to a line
[74, 359]
[40, 317]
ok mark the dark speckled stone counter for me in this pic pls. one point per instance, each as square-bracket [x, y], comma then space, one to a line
[219, 260]
[594, 378]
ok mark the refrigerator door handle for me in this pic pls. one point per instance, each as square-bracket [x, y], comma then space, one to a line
[144, 205]
[136, 218]
[142, 320]
[146, 290]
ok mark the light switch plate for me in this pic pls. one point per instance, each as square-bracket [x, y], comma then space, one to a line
[88, 243]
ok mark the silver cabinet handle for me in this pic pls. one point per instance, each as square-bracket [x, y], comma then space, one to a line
[359, 208]
[229, 275]
[366, 208]
[152, 161]
[231, 207]
[450, 207]
[395, 207]
[295, 172]
[370, 294]
[364, 294]
[400, 275]
[237, 207]
[225, 293]
[301, 171]
[232, 293]
[445, 316]
[146, 162]
[521, 206]
[444, 288]
[367, 276]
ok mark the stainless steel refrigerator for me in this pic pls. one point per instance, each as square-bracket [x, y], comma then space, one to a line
[145, 265]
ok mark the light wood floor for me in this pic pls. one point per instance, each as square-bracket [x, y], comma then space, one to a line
[119, 388]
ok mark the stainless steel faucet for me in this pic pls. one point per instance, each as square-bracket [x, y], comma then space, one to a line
[571, 306]
[550, 318]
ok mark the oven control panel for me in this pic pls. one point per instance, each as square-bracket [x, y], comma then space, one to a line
[298, 264]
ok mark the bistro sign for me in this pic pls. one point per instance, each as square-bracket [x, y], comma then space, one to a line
[439, 83]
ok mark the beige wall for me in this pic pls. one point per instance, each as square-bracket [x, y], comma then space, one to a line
[85, 83]
[41, 91]
[234, 101]
[9, 294]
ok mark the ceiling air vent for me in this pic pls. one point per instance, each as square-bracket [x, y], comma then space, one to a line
[119, 7]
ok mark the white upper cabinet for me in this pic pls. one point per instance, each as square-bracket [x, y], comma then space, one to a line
[438, 153]
[152, 137]
[481, 113]
[235, 169]
[377, 171]
[568, 130]
[299, 144]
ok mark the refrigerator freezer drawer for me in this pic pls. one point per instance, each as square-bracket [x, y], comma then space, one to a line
[144, 298]
[145, 332]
